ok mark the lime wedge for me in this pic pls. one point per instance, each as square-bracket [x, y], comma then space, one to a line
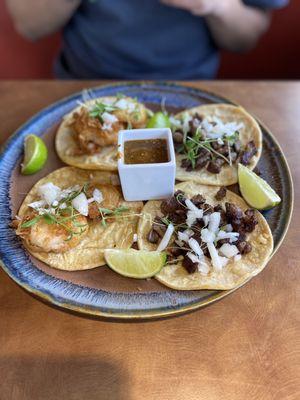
[137, 264]
[35, 155]
[256, 191]
[159, 120]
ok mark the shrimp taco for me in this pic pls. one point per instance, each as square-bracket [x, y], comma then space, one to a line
[88, 136]
[211, 140]
[70, 216]
[212, 239]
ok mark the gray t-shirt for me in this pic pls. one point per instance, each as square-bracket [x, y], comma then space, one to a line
[139, 39]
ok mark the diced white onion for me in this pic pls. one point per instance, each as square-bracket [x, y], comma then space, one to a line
[166, 238]
[185, 122]
[232, 127]
[37, 204]
[207, 236]
[228, 250]
[237, 257]
[81, 204]
[214, 221]
[206, 126]
[212, 135]
[188, 232]
[232, 236]
[223, 261]
[192, 216]
[192, 257]
[215, 259]
[203, 267]
[122, 104]
[108, 101]
[126, 104]
[183, 237]
[90, 200]
[216, 129]
[49, 192]
[109, 118]
[135, 237]
[107, 127]
[190, 205]
[66, 192]
[195, 246]
[98, 196]
[206, 219]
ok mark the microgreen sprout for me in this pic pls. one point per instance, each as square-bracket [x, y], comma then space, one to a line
[106, 212]
[163, 105]
[100, 108]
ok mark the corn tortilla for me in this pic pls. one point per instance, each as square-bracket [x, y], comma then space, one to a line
[89, 252]
[228, 174]
[235, 272]
[66, 146]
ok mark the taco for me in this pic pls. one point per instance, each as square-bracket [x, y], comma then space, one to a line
[70, 216]
[87, 137]
[213, 241]
[211, 140]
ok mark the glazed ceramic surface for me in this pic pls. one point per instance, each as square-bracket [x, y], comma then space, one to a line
[101, 292]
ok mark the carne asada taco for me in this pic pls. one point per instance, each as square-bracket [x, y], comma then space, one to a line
[88, 136]
[69, 217]
[211, 140]
[212, 239]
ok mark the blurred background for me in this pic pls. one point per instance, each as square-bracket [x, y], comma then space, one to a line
[276, 57]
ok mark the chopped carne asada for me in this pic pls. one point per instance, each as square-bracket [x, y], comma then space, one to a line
[221, 193]
[203, 232]
[210, 144]
[189, 265]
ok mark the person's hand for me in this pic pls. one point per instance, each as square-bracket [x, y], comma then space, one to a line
[201, 7]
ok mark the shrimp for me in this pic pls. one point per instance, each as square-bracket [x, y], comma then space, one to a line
[53, 238]
[91, 135]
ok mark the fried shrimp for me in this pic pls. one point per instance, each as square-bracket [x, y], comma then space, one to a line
[55, 237]
[94, 132]
[90, 134]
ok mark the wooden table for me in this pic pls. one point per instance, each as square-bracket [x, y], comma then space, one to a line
[243, 347]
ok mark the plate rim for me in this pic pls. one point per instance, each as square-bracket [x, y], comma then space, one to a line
[144, 314]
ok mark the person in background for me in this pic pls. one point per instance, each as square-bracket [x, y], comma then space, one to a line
[144, 39]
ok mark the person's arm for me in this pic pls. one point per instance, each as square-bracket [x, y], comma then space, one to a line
[234, 26]
[37, 18]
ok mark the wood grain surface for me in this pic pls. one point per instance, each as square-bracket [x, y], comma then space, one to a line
[243, 347]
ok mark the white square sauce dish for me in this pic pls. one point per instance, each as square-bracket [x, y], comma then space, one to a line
[146, 163]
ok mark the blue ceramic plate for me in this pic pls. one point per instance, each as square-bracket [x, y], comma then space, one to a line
[101, 292]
